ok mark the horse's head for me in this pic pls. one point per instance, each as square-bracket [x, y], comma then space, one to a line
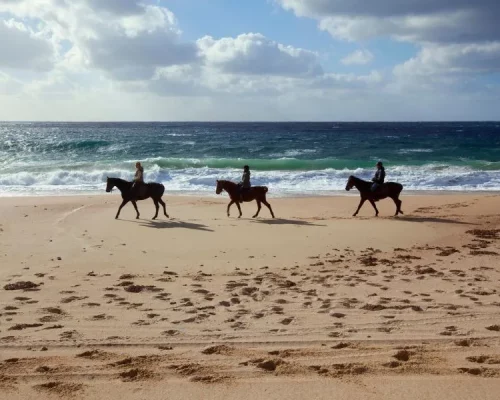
[350, 183]
[219, 187]
[109, 185]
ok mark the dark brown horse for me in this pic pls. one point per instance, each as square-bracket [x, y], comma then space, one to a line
[257, 193]
[389, 189]
[153, 190]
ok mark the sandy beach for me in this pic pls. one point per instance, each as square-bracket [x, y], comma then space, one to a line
[314, 304]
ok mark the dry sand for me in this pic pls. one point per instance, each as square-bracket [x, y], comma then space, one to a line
[312, 305]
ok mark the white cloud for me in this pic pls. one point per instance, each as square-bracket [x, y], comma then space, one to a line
[21, 48]
[125, 39]
[8, 85]
[116, 7]
[456, 21]
[358, 57]
[254, 54]
[455, 58]
[126, 59]
[455, 37]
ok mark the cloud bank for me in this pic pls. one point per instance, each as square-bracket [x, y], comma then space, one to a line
[128, 59]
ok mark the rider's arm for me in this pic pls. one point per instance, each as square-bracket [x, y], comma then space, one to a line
[382, 176]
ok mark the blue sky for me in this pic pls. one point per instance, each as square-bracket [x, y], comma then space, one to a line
[251, 60]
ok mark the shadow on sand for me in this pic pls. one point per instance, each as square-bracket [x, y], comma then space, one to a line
[281, 221]
[431, 219]
[171, 224]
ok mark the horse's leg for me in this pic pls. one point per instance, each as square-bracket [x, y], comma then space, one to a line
[120, 208]
[398, 206]
[268, 206]
[156, 206]
[136, 209]
[239, 208]
[374, 206]
[360, 205]
[229, 206]
[164, 207]
[258, 209]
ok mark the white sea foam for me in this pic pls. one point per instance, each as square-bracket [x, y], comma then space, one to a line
[293, 153]
[408, 151]
[202, 180]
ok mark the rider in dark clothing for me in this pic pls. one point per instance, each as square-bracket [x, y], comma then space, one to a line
[379, 177]
[245, 184]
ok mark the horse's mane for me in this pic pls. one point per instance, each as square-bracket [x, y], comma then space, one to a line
[358, 179]
[228, 182]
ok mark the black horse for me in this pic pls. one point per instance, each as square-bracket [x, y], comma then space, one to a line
[389, 189]
[153, 190]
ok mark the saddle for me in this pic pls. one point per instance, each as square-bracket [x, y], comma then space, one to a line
[380, 192]
[139, 191]
[244, 192]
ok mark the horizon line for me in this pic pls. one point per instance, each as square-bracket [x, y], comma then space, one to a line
[250, 121]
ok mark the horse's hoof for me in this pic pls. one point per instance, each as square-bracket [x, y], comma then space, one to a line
[354, 215]
[153, 218]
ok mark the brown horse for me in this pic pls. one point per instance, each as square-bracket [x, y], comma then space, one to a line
[257, 193]
[389, 189]
[153, 190]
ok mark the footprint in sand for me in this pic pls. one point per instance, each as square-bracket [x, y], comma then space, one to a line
[135, 375]
[61, 389]
[494, 328]
[70, 335]
[484, 359]
[100, 317]
[20, 327]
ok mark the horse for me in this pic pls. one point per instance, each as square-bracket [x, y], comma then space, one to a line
[257, 193]
[147, 190]
[389, 189]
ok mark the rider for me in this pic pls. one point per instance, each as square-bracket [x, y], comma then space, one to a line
[138, 178]
[379, 177]
[245, 184]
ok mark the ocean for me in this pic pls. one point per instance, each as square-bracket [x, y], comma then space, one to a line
[292, 159]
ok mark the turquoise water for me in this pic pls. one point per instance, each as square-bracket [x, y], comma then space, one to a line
[290, 158]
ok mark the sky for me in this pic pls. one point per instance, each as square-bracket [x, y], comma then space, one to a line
[249, 60]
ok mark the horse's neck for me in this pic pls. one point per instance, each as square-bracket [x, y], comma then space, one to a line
[122, 185]
[360, 183]
[230, 186]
